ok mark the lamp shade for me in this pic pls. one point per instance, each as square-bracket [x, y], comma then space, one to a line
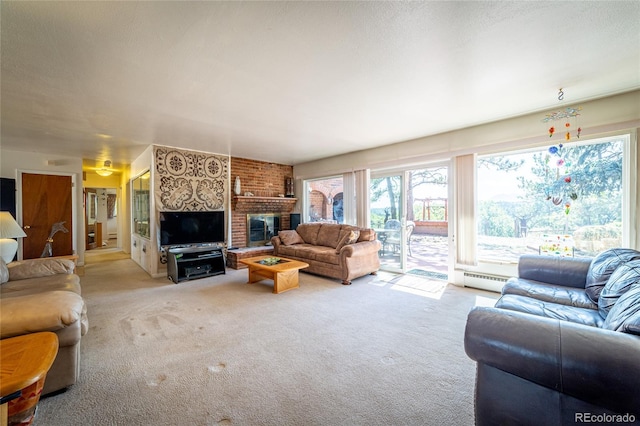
[9, 228]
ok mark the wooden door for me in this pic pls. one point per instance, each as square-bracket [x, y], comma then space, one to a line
[46, 200]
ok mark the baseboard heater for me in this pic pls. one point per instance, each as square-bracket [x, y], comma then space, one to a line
[484, 281]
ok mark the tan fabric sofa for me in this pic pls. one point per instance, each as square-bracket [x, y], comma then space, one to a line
[325, 247]
[44, 295]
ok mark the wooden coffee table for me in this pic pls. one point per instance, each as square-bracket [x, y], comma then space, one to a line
[284, 273]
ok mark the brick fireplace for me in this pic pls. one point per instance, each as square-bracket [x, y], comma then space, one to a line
[258, 207]
[266, 181]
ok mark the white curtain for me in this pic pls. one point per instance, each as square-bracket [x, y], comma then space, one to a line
[465, 199]
[349, 198]
[362, 184]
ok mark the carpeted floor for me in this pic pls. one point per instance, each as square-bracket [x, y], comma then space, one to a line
[218, 351]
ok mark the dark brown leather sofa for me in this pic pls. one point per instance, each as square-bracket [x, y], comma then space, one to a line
[562, 345]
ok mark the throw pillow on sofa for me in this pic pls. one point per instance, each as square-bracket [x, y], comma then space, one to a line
[622, 279]
[367, 234]
[290, 238]
[349, 237]
[603, 265]
[624, 316]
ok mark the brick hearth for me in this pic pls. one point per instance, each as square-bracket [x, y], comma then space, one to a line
[234, 256]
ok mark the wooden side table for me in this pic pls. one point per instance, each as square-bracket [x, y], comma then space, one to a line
[25, 362]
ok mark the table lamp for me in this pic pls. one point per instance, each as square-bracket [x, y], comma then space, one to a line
[9, 229]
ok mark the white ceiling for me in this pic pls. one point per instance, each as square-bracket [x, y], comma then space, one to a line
[290, 82]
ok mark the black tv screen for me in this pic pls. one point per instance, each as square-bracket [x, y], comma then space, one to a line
[182, 228]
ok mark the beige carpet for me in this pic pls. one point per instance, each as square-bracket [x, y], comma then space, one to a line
[218, 351]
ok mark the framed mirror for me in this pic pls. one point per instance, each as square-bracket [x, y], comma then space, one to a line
[92, 207]
[140, 203]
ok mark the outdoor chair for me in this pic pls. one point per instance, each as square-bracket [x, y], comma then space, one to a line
[392, 237]
[410, 227]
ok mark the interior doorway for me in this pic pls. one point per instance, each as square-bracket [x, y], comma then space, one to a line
[101, 218]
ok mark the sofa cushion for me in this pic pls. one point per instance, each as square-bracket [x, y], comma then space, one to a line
[288, 251]
[63, 282]
[290, 237]
[624, 316]
[4, 272]
[542, 308]
[43, 267]
[49, 310]
[570, 296]
[329, 235]
[347, 237]
[327, 255]
[309, 232]
[318, 253]
[621, 280]
[603, 266]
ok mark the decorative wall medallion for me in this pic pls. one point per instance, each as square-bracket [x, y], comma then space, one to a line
[190, 181]
[211, 193]
[215, 168]
[174, 192]
[173, 162]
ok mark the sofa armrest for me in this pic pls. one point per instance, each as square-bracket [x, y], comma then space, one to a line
[565, 271]
[34, 268]
[594, 365]
[363, 248]
[276, 242]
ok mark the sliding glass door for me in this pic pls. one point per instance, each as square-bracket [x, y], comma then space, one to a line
[388, 218]
[410, 213]
[428, 221]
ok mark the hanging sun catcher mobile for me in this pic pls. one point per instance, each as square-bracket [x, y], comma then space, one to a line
[565, 115]
[562, 191]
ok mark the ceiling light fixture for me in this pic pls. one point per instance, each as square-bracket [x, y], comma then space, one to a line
[105, 171]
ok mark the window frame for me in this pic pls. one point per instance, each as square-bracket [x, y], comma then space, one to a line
[629, 200]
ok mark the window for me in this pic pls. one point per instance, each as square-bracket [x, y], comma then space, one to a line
[564, 200]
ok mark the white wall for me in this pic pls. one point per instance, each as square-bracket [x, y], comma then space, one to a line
[597, 117]
[14, 162]
[618, 113]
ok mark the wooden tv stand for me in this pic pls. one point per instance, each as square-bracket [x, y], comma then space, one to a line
[190, 263]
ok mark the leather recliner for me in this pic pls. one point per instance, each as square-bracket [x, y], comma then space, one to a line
[562, 345]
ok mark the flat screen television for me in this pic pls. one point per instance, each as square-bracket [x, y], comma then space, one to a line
[182, 228]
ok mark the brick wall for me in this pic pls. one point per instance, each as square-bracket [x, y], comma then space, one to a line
[263, 180]
[319, 206]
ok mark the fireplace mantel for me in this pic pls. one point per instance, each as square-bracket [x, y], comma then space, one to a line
[253, 204]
